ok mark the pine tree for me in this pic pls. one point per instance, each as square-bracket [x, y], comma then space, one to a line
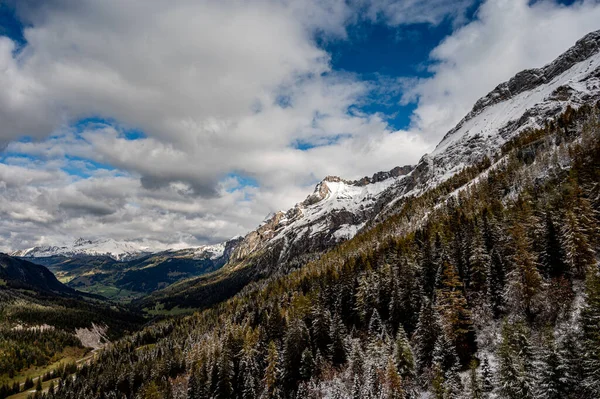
[307, 364]
[295, 341]
[525, 284]
[337, 349]
[425, 336]
[553, 257]
[474, 387]
[271, 379]
[550, 377]
[225, 374]
[480, 265]
[451, 304]
[579, 253]
[590, 322]
[570, 357]
[320, 326]
[487, 379]
[403, 356]
[515, 363]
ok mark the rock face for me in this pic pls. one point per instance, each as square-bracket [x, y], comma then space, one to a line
[335, 211]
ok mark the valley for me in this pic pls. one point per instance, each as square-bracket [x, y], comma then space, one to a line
[473, 274]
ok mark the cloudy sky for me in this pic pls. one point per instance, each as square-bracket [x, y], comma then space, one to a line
[186, 122]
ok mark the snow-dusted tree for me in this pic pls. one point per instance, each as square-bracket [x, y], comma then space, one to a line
[579, 254]
[487, 378]
[295, 341]
[337, 348]
[550, 376]
[515, 363]
[425, 336]
[590, 322]
[321, 323]
[525, 285]
[570, 353]
[403, 355]
[393, 387]
[474, 388]
[452, 306]
[272, 379]
[480, 265]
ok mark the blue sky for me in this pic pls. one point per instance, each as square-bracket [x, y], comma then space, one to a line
[192, 128]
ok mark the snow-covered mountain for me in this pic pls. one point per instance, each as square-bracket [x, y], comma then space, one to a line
[338, 209]
[335, 211]
[118, 250]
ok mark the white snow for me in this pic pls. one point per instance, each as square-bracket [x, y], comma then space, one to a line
[495, 117]
[107, 246]
[340, 195]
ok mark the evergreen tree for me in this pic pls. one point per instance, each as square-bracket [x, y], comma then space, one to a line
[451, 304]
[474, 387]
[515, 363]
[337, 349]
[525, 284]
[403, 356]
[487, 379]
[553, 257]
[307, 364]
[579, 253]
[271, 379]
[550, 376]
[295, 341]
[590, 322]
[425, 336]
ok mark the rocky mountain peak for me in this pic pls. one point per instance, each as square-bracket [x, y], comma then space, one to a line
[530, 79]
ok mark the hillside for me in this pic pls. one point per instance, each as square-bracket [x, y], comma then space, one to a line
[479, 276]
[339, 209]
[20, 274]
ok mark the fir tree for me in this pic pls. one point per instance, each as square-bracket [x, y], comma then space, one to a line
[451, 304]
[425, 336]
[579, 253]
[271, 379]
[550, 376]
[474, 387]
[590, 322]
[307, 364]
[403, 355]
[525, 284]
[487, 379]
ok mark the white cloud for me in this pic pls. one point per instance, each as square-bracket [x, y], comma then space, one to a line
[203, 81]
[507, 37]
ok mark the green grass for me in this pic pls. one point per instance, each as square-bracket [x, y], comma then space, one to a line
[25, 394]
[69, 355]
[111, 292]
[159, 310]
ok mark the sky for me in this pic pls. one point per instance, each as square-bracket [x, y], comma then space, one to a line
[182, 123]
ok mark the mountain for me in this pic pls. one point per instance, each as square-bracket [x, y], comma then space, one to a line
[134, 276]
[476, 274]
[338, 209]
[18, 273]
[118, 250]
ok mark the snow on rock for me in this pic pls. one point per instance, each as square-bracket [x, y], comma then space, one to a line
[118, 250]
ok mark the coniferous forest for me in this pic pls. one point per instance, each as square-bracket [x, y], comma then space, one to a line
[487, 286]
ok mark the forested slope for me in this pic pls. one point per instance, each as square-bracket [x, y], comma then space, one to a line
[486, 285]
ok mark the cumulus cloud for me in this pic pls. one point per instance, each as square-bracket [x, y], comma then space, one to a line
[224, 91]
